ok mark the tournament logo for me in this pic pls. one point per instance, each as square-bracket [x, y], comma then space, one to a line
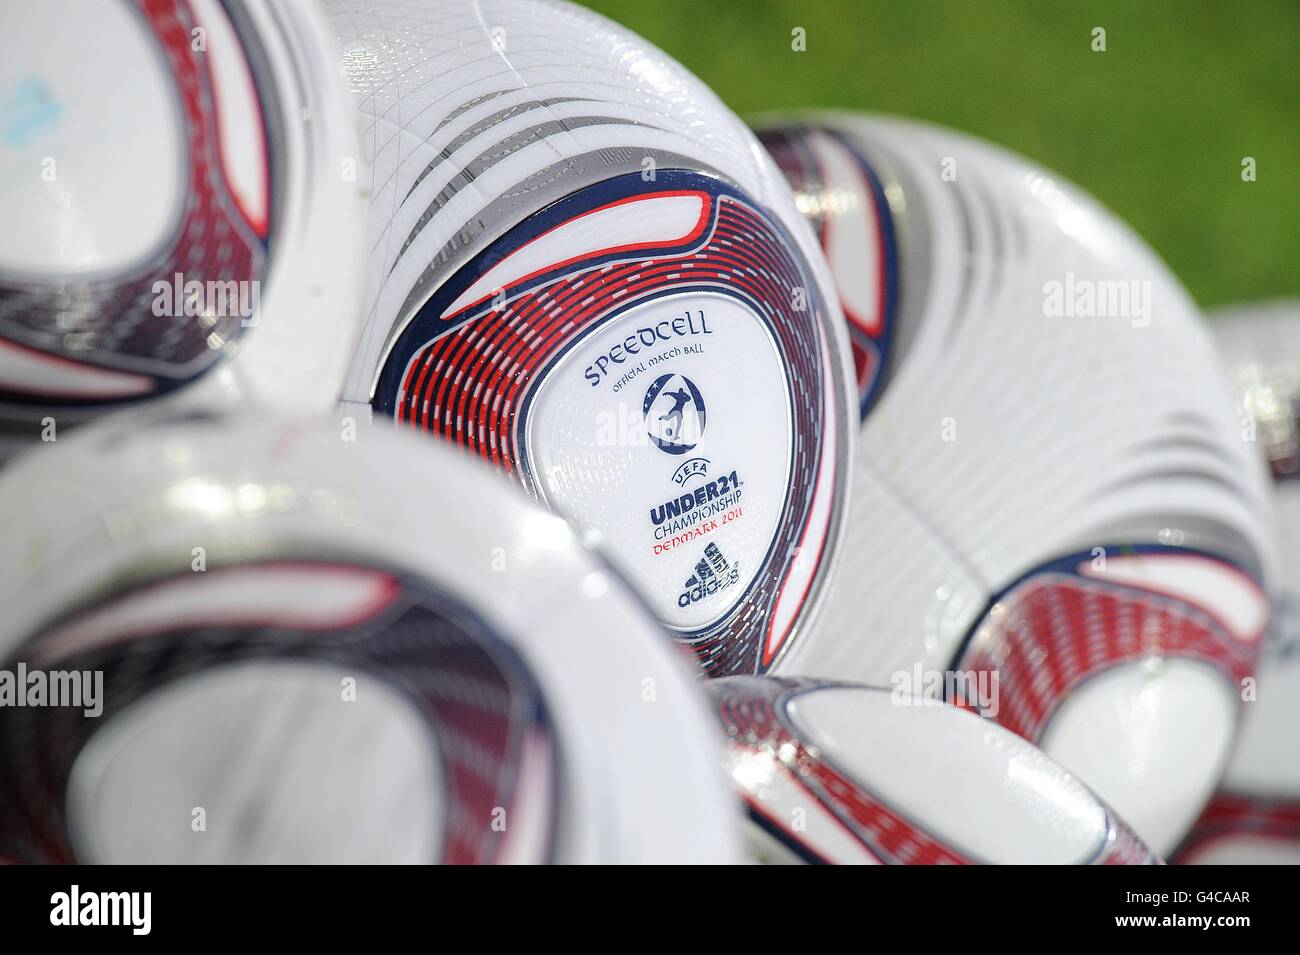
[674, 413]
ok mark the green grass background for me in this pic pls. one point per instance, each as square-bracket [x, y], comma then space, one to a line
[1156, 127]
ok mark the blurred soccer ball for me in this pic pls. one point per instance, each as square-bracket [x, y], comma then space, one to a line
[1255, 815]
[315, 650]
[1049, 482]
[179, 216]
[834, 772]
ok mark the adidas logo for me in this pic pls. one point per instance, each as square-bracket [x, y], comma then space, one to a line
[713, 573]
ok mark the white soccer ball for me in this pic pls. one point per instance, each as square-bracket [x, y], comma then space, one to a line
[1255, 816]
[841, 773]
[180, 219]
[584, 270]
[318, 650]
[1050, 484]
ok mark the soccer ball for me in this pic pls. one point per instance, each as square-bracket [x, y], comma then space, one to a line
[179, 218]
[316, 650]
[834, 772]
[584, 271]
[1049, 483]
[1255, 815]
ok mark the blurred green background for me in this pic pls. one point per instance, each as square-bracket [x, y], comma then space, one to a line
[1156, 126]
